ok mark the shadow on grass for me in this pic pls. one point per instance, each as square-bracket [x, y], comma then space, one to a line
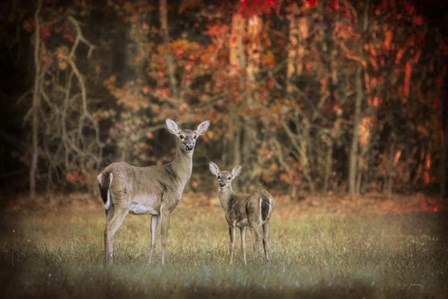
[32, 272]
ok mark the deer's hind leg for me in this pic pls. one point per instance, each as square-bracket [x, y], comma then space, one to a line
[114, 219]
[154, 226]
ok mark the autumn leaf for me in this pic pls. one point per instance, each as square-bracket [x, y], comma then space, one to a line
[45, 33]
[218, 30]
[407, 78]
[149, 135]
[311, 3]
[409, 8]
[183, 107]
[62, 65]
[388, 39]
[146, 90]
[418, 21]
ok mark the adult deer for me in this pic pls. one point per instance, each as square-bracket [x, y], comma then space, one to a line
[153, 190]
[243, 210]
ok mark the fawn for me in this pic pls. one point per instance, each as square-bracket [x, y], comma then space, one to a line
[153, 190]
[243, 210]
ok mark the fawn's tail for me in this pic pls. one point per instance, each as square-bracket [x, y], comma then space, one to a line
[266, 204]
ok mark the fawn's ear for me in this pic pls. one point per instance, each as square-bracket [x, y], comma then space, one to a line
[236, 171]
[203, 127]
[214, 169]
[172, 126]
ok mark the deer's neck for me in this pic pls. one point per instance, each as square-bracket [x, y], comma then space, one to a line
[224, 197]
[183, 164]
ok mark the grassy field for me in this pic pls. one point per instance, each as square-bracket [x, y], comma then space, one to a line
[350, 252]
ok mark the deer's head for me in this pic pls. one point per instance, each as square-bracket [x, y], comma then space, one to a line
[187, 138]
[224, 177]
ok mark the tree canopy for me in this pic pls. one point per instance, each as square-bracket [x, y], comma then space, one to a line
[310, 97]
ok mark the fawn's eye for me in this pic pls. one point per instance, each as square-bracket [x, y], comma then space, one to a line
[182, 137]
[195, 136]
[219, 177]
[229, 177]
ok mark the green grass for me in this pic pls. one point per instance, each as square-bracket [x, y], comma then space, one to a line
[59, 254]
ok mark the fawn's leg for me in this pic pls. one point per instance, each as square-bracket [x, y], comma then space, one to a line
[265, 241]
[256, 236]
[232, 242]
[243, 243]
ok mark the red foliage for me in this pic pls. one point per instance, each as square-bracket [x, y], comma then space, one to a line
[218, 30]
[311, 3]
[69, 37]
[407, 78]
[45, 33]
[409, 8]
[418, 21]
[417, 204]
[334, 4]
[256, 7]
[77, 178]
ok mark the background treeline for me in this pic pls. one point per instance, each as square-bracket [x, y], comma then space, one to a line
[311, 97]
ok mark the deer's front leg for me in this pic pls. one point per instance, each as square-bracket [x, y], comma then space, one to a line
[243, 243]
[154, 224]
[165, 223]
[232, 242]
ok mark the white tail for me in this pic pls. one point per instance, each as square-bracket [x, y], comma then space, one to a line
[107, 204]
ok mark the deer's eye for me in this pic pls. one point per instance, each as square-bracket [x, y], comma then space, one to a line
[182, 137]
[229, 177]
[195, 136]
[219, 177]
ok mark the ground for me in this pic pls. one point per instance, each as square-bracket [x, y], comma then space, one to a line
[372, 247]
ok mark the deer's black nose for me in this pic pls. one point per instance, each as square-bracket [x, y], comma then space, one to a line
[222, 184]
[189, 147]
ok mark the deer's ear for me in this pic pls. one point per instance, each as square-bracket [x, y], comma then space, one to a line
[172, 126]
[203, 127]
[236, 171]
[214, 169]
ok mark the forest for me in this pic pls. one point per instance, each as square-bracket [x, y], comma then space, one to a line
[310, 97]
[339, 108]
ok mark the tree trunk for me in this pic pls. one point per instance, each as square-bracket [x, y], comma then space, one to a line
[236, 47]
[328, 168]
[444, 159]
[166, 40]
[352, 170]
[304, 155]
[249, 144]
[36, 103]
[359, 96]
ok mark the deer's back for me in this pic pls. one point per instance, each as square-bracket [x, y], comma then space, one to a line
[131, 181]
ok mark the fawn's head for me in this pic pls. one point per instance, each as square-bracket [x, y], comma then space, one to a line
[187, 138]
[225, 177]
